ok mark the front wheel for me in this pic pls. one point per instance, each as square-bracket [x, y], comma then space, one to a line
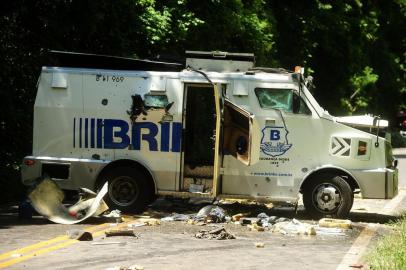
[127, 189]
[328, 195]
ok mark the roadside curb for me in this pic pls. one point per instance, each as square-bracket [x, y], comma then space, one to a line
[358, 248]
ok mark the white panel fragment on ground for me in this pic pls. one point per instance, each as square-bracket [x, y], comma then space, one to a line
[47, 197]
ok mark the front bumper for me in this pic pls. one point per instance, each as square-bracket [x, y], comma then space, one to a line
[377, 183]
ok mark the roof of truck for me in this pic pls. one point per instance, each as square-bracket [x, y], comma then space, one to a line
[85, 63]
[97, 61]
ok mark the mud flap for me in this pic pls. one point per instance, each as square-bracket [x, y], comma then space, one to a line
[47, 197]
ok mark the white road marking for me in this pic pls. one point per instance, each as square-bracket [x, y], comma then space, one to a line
[360, 244]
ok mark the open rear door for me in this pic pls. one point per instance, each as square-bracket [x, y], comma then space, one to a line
[241, 134]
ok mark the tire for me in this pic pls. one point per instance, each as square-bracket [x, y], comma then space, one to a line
[328, 195]
[127, 189]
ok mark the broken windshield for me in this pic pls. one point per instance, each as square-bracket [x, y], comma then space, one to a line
[274, 98]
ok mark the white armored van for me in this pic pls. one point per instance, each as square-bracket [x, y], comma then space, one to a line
[219, 127]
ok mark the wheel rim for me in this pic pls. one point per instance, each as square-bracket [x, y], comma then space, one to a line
[123, 190]
[327, 198]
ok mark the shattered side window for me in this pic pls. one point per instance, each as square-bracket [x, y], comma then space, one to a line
[155, 101]
[273, 98]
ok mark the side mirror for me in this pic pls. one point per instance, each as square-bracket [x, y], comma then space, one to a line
[296, 103]
[309, 82]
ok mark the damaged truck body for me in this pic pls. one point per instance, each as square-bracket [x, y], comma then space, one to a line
[218, 128]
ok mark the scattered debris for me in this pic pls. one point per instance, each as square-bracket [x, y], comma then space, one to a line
[239, 201]
[211, 214]
[265, 221]
[259, 244]
[218, 234]
[80, 235]
[121, 232]
[246, 221]
[281, 219]
[47, 197]
[79, 209]
[150, 221]
[335, 223]
[237, 217]
[136, 225]
[357, 265]
[256, 227]
[116, 215]
[176, 217]
[294, 227]
[109, 243]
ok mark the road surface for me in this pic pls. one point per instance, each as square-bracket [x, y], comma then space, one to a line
[39, 244]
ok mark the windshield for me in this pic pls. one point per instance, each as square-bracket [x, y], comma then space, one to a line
[274, 98]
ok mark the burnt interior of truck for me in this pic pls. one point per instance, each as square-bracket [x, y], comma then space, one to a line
[198, 139]
[236, 133]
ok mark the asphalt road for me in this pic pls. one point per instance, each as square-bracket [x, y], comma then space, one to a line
[39, 244]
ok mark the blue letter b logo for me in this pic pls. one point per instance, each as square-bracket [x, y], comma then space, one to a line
[275, 135]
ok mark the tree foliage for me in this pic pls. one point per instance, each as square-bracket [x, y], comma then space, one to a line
[355, 49]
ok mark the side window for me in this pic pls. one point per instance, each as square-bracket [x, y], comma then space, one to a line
[303, 109]
[155, 100]
[274, 98]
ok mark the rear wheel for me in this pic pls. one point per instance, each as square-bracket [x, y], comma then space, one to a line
[127, 189]
[328, 195]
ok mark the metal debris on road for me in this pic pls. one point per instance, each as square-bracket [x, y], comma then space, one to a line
[211, 214]
[115, 215]
[121, 232]
[47, 197]
[80, 235]
[217, 234]
[335, 223]
[294, 227]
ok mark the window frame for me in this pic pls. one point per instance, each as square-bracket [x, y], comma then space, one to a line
[293, 91]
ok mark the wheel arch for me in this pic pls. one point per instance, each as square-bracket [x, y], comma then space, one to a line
[337, 171]
[131, 164]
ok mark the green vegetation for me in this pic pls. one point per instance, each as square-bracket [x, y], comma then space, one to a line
[390, 252]
[397, 139]
[355, 50]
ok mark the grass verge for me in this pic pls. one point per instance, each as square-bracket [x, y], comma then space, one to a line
[390, 251]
